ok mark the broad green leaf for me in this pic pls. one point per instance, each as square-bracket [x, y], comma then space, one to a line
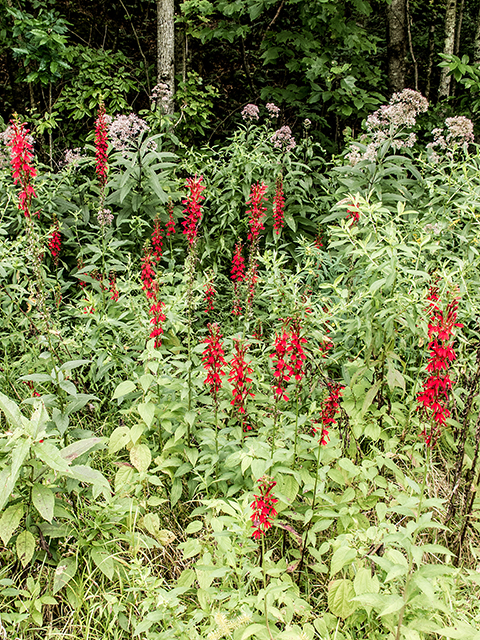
[10, 520]
[187, 578]
[43, 501]
[25, 547]
[257, 631]
[176, 491]
[85, 473]
[50, 455]
[104, 561]
[341, 557]
[119, 439]
[11, 411]
[147, 412]
[340, 594]
[73, 364]
[123, 389]
[370, 397]
[140, 457]
[66, 569]
[289, 487]
[78, 448]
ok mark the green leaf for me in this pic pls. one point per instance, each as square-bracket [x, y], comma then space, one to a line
[147, 412]
[123, 389]
[340, 594]
[370, 397]
[66, 569]
[43, 501]
[103, 561]
[176, 491]
[10, 520]
[11, 411]
[25, 547]
[50, 455]
[364, 583]
[119, 439]
[341, 557]
[78, 448]
[140, 457]
[85, 473]
[187, 578]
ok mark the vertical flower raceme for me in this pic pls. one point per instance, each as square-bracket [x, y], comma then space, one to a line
[113, 286]
[257, 211]
[157, 239]
[278, 206]
[157, 319]
[239, 377]
[282, 371]
[296, 351]
[55, 242]
[330, 407]
[210, 292]
[434, 398]
[23, 171]
[238, 276]
[170, 226]
[193, 208]
[263, 507]
[148, 273]
[101, 146]
[213, 359]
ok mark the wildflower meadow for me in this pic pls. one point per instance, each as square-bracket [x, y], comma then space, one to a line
[239, 390]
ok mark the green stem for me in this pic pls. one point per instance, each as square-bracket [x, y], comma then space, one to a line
[296, 432]
[265, 607]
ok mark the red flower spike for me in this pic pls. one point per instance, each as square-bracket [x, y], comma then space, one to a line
[23, 172]
[55, 242]
[193, 208]
[257, 210]
[213, 359]
[113, 286]
[157, 239]
[170, 226]
[239, 372]
[330, 407]
[238, 264]
[263, 507]
[101, 146]
[148, 273]
[278, 206]
[296, 351]
[433, 400]
[283, 371]
[157, 319]
[210, 292]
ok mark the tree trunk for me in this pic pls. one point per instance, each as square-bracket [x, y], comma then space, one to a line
[450, 24]
[476, 43]
[396, 45]
[431, 53]
[459, 27]
[166, 48]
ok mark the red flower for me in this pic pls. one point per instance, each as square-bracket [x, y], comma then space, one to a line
[296, 351]
[21, 157]
[193, 208]
[283, 371]
[55, 242]
[278, 206]
[238, 264]
[113, 286]
[210, 292]
[330, 407]
[171, 221]
[257, 210]
[101, 146]
[239, 371]
[213, 359]
[434, 398]
[263, 507]
[354, 215]
[157, 319]
[148, 273]
[157, 239]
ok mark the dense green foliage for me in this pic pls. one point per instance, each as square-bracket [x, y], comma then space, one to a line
[127, 479]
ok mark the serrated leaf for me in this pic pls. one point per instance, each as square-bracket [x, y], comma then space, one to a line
[65, 571]
[147, 412]
[10, 520]
[140, 457]
[43, 501]
[340, 594]
[50, 455]
[25, 546]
